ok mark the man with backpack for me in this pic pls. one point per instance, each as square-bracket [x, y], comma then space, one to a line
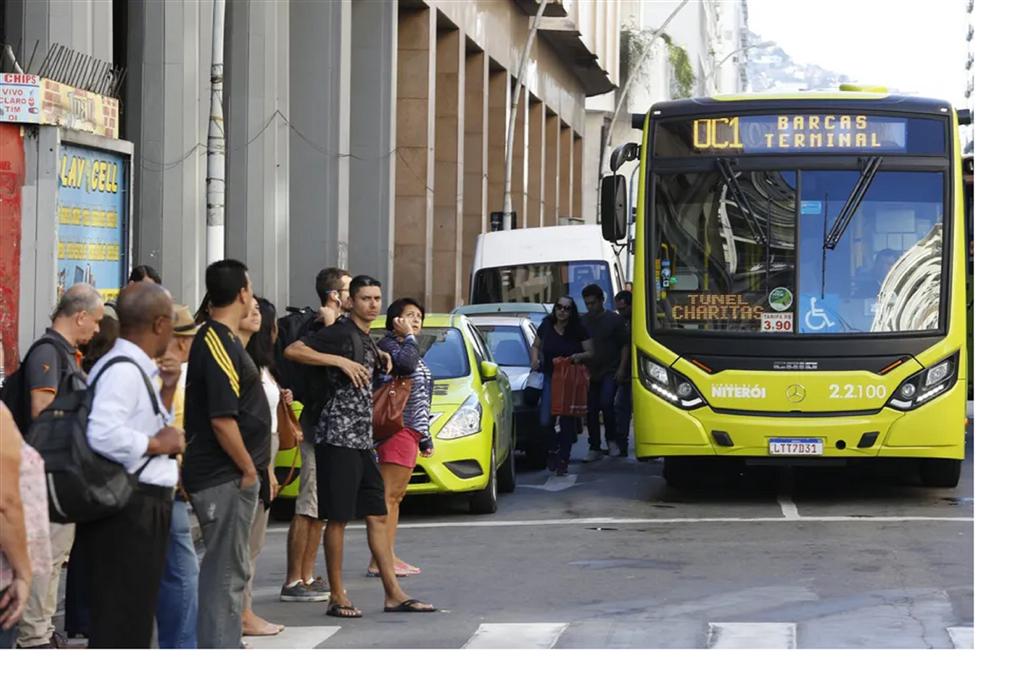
[129, 425]
[52, 367]
[301, 584]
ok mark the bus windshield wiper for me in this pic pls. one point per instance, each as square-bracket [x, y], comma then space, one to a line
[733, 185]
[867, 175]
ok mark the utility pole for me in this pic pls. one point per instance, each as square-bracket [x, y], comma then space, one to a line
[506, 216]
[215, 144]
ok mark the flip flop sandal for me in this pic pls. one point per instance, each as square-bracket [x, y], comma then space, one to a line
[402, 574]
[338, 611]
[277, 628]
[410, 606]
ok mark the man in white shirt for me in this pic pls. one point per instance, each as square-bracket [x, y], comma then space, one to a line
[130, 425]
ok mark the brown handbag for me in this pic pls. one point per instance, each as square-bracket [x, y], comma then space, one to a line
[388, 407]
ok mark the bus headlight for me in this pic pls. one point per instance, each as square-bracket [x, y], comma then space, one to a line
[925, 385]
[668, 384]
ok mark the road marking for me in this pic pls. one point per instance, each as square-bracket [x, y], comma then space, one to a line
[294, 637]
[516, 636]
[663, 521]
[786, 502]
[962, 636]
[752, 636]
[556, 483]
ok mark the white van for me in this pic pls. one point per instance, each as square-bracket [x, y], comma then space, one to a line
[541, 264]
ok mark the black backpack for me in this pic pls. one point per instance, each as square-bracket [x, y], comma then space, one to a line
[15, 394]
[308, 384]
[82, 485]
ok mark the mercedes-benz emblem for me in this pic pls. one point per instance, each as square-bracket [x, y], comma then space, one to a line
[796, 393]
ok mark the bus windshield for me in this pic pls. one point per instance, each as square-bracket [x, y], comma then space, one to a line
[798, 252]
[542, 282]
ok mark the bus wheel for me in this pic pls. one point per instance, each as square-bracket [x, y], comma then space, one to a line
[681, 472]
[943, 473]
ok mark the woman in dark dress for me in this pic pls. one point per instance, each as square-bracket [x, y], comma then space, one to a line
[560, 334]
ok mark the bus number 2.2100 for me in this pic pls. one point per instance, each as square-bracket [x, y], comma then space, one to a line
[857, 391]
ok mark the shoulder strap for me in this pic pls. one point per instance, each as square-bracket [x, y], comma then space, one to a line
[149, 388]
[149, 385]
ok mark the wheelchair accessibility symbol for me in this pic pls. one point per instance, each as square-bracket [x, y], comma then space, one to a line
[816, 318]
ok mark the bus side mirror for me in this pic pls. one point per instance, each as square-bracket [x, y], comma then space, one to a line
[613, 208]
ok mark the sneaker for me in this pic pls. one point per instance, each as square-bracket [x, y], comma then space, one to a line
[319, 585]
[617, 449]
[300, 592]
[593, 456]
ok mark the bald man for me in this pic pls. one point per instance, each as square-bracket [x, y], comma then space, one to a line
[131, 425]
[53, 366]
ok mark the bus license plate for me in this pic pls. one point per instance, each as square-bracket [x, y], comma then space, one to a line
[796, 446]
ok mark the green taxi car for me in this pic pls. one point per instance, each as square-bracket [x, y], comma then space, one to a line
[471, 420]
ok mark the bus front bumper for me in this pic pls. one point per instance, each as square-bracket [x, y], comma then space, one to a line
[935, 430]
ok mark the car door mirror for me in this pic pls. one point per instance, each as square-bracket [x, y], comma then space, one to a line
[488, 371]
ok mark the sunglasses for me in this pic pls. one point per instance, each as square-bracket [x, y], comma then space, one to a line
[565, 307]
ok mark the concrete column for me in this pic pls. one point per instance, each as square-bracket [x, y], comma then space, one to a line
[374, 54]
[475, 158]
[535, 170]
[166, 102]
[414, 165]
[256, 53]
[551, 168]
[498, 104]
[519, 158]
[446, 257]
[564, 172]
[84, 26]
[577, 176]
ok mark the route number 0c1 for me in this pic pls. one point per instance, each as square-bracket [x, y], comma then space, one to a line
[721, 133]
[857, 391]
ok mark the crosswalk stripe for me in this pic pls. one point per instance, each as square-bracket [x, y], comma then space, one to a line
[752, 636]
[516, 636]
[962, 636]
[294, 637]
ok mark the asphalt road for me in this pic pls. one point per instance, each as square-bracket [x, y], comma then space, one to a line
[611, 557]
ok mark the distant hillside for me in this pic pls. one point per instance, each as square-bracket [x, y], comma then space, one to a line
[772, 69]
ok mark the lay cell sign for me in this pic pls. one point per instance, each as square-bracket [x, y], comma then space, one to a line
[20, 98]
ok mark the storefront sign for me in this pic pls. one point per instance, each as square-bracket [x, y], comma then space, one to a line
[71, 108]
[91, 214]
[30, 99]
[20, 98]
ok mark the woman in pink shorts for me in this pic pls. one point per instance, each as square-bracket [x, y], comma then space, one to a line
[397, 454]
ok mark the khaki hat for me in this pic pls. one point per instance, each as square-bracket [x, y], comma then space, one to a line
[184, 324]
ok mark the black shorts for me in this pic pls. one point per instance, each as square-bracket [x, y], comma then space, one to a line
[348, 484]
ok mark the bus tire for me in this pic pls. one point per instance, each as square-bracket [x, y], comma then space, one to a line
[681, 472]
[940, 473]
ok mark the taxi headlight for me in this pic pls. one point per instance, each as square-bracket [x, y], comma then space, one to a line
[465, 421]
[668, 384]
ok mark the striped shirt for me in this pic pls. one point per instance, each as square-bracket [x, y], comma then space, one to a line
[405, 356]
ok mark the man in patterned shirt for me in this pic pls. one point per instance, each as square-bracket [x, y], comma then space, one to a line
[349, 484]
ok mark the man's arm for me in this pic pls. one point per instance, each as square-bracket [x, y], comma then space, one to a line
[42, 377]
[229, 437]
[300, 352]
[41, 400]
[117, 393]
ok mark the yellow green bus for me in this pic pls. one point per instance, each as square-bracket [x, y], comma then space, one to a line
[800, 281]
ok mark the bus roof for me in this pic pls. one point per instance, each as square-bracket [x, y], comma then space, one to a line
[541, 245]
[853, 100]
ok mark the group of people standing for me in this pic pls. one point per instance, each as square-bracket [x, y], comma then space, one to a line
[196, 407]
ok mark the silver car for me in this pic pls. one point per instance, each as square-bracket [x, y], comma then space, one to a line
[509, 339]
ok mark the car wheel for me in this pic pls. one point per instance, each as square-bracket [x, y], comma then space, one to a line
[942, 473]
[507, 473]
[486, 500]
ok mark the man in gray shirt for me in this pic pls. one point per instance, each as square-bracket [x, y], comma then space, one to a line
[609, 365]
[53, 367]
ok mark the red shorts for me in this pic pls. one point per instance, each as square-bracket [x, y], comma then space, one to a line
[402, 449]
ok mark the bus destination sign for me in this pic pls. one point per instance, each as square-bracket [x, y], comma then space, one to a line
[795, 133]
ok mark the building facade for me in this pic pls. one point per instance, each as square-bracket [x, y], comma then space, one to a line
[364, 134]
